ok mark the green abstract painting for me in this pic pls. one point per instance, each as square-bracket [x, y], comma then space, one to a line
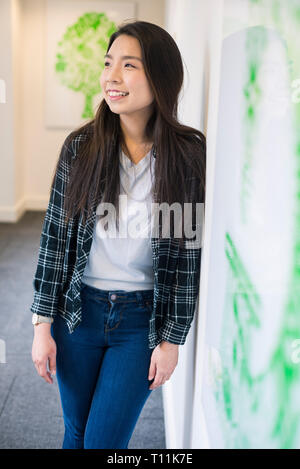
[80, 56]
[77, 34]
[251, 394]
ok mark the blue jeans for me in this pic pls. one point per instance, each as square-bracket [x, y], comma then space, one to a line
[102, 367]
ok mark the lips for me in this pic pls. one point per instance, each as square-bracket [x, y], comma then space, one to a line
[117, 97]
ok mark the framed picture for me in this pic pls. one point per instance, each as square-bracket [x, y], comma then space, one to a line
[77, 34]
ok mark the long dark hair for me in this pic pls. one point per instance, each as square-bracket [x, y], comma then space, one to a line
[95, 171]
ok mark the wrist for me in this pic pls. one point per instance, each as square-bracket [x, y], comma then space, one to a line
[42, 328]
[165, 343]
[37, 319]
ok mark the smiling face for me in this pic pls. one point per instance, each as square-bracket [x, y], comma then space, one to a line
[126, 74]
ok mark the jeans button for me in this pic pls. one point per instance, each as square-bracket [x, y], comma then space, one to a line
[113, 296]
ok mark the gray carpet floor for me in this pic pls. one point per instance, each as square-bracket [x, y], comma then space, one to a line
[30, 410]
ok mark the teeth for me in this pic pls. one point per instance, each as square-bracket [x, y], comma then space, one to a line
[114, 93]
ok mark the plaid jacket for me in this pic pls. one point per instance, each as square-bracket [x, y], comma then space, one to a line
[63, 253]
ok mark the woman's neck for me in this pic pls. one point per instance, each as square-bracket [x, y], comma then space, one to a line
[136, 151]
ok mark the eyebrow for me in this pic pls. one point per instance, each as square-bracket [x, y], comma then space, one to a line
[125, 57]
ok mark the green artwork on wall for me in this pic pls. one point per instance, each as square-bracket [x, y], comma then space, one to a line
[80, 56]
[259, 406]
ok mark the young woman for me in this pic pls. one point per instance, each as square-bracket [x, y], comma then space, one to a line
[111, 312]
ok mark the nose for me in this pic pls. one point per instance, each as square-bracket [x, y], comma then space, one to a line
[112, 75]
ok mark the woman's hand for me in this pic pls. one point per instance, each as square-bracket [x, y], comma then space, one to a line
[164, 359]
[44, 351]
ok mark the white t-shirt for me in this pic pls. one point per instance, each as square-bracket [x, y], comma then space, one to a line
[125, 263]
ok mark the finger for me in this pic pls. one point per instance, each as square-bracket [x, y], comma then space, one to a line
[52, 364]
[162, 381]
[157, 382]
[154, 382]
[48, 378]
[43, 368]
[152, 370]
[155, 385]
[42, 371]
[38, 367]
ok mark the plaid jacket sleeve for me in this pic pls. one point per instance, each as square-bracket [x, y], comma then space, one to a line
[183, 296]
[184, 290]
[47, 279]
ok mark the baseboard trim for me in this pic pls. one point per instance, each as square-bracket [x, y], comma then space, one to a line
[13, 214]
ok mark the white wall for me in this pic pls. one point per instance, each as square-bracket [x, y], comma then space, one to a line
[29, 151]
[195, 25]
[7, 155]
[212, 14]
[17, 62]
